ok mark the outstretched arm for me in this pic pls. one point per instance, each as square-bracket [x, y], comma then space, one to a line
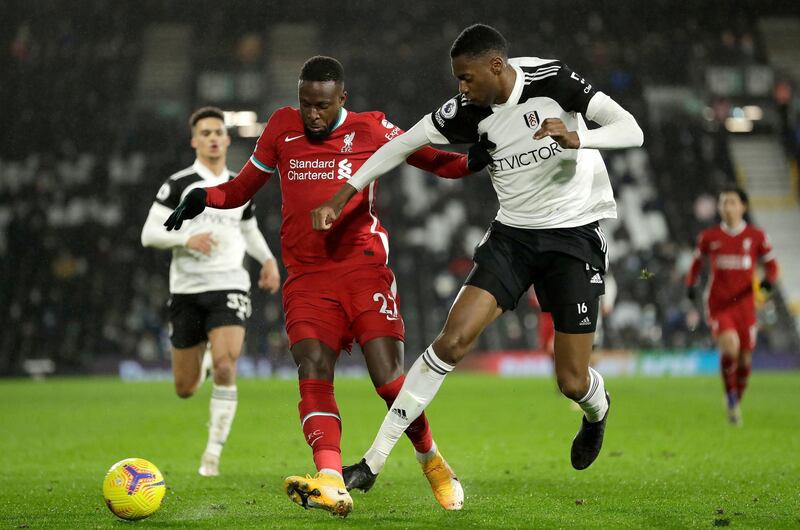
[238, 191]
[385, 159]
[441, 163]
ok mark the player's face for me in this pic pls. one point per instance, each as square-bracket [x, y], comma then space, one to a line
[478, 77]
[320, 104]
[731, 208]
[210, 139]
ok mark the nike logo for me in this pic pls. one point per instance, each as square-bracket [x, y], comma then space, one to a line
[292, 138]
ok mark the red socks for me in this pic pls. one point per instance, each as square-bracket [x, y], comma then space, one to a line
[322, 425]
[728, 369]
[419, 432]
[742, 376]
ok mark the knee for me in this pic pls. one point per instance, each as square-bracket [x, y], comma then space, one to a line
[315, 367]
[452, 346]
[224, 370]
[185, 389]
[572, 385]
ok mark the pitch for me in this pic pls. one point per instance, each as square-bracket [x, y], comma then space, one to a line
[670, 459]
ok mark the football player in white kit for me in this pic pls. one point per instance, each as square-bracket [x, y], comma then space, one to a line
[525, 118]
[209, 286]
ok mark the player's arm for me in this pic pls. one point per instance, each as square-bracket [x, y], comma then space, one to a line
[618, 128]
[156, 236]
[388, 157]
[441, 163]
[769, 263]
[257, 247]
[696, 266]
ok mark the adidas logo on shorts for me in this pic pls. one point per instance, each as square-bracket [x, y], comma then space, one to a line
[596, 278]
[585, 322]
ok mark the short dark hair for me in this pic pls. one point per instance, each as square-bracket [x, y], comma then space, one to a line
[205, 112]
[478, 39]
[732, 188]
[322, 68]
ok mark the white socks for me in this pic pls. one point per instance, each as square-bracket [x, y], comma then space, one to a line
[223, 410]
[594, 403]
[422, 383]
[424, 457]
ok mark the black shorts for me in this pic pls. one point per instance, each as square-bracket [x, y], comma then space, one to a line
[566, 267]
[192, 316]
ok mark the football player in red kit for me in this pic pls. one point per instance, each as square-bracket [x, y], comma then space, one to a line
[339, 287]
[733, 248]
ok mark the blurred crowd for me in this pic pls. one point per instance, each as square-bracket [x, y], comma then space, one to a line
[79, 165]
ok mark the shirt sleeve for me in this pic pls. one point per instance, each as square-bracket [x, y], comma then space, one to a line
[389, 156]
[265, 155]
[618, 128]
[697, 260]
[455, 122]
[557, 81]
[169, 194]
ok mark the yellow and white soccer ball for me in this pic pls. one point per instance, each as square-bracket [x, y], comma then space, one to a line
[133, 488]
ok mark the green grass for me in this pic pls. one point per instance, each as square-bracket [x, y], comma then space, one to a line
[670, 459]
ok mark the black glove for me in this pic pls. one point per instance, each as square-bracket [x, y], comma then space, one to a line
[690, 293]
[766, 286]
[478, 156]
[190, 207]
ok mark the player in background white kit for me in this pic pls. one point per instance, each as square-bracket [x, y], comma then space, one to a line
[552, 185]
[208, 283]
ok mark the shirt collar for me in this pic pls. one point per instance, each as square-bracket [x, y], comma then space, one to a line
[340, 119]
[207, 174]
[516, 92]
[733, 231]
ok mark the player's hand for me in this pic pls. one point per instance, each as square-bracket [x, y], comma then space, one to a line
[766, 286]
[322, 217]
[202, 243]
[190, 207]
[270, 277]
[555, 129]
[690, 293]
[478, 156]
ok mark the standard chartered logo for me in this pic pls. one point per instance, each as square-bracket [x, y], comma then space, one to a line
[345, 169]
[319, 169]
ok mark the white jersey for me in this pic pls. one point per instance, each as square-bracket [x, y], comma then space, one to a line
[538, 183]
[191, 271]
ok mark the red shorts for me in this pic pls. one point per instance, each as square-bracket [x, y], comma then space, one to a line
[338, 306]
[740, 318]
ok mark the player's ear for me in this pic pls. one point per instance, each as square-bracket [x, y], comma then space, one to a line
[496, 65]
[343, 97]
[194, 141]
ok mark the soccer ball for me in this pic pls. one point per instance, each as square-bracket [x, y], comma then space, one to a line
[133, 488]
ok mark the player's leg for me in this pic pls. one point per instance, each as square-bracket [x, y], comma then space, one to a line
[318, 331]
[577, 380]
[473, 310]
[747, 331]
[724, 329]
[186, 363]
[384, 358]
[321, 424]
[226, 346]
[189, 339]
[570, 289]
[227, 313]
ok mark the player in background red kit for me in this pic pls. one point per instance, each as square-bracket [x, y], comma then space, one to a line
[733, 248]
[339, 287]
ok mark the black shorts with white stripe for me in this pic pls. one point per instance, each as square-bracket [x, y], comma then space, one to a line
[565, 266]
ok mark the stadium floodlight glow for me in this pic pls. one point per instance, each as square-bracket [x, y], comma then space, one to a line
[738, 125]
[753, 112]
[252, 130]
[242, 118]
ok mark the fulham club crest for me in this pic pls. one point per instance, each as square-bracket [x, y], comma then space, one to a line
[532, 119]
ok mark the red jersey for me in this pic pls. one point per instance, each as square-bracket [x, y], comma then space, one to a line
[311, 172]
[733, 255]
